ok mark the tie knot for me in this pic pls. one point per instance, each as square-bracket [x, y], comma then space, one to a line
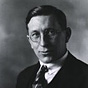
[44, 68]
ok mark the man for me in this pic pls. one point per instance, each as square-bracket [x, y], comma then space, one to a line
[48, 35]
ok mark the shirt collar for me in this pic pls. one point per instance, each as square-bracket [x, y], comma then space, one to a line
[56, 64]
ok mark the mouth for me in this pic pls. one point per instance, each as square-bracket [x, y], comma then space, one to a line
[48, 52]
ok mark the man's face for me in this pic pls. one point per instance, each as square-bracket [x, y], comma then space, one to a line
[46, 37]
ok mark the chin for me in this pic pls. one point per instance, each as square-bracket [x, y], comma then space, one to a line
[46, 59]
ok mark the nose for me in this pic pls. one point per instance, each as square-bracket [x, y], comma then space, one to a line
[43, 41]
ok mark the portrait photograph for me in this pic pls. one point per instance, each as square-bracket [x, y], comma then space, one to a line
[43, 43]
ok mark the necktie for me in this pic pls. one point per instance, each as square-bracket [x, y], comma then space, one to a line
[40, 81]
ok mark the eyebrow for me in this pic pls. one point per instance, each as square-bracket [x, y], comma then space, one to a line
[45, 30]
[52, 29]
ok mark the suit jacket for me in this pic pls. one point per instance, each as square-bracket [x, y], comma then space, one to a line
[73, 74]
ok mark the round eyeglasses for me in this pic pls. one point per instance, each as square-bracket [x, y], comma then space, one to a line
[35, 36]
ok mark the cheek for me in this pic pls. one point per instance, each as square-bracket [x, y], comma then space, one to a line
[34, 46]
[59, 41]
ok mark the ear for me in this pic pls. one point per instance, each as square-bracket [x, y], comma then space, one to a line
[68, 34]
[29, 41]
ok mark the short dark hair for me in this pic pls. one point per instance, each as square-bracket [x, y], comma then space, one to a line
[47, 10]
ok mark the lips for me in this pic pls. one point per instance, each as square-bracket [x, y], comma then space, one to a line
[46, 52]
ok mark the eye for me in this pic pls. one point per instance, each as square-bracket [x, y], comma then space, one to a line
[51, 32]
[35, 35]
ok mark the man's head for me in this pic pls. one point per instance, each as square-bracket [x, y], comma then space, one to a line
[47, 32]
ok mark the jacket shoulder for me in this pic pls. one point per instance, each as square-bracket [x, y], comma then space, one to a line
[77, 65]
[24, 76]
[28, 70]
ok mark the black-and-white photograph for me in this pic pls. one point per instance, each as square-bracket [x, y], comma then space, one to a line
[43, 43]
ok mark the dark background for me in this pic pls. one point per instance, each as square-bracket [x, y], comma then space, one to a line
[15, 51]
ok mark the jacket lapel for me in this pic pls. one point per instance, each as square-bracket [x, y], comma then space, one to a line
[32, 74]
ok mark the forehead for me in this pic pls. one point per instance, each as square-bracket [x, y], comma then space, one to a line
[43, 22]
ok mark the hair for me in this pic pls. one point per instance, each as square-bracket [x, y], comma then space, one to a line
[47, 10]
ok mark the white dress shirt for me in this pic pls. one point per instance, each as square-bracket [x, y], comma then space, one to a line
[53, 68]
